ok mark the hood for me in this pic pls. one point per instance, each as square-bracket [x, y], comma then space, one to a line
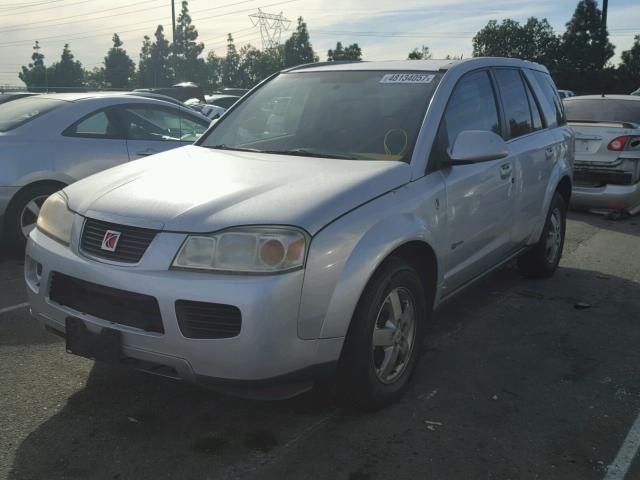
[196, 189]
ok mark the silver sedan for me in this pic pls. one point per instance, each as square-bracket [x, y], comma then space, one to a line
[50, 141]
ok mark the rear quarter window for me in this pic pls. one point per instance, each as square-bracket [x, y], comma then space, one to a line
[19, 112]
[550, 102]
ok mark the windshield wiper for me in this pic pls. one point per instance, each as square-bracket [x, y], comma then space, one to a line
[305, 152]
[237, 149]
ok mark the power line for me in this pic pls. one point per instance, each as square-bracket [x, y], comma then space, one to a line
[84, 16]
[46, 8]
[91, 34]
[17, 6]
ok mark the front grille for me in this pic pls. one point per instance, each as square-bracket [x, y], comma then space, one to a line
[111, 304]
[208, 320]
[132, 244]
[599, 177]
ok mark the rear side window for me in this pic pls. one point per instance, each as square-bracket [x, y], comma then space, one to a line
[603, 110]
[550, 102]
[142, 122]
[97, 125]
[515, 102]
[17, 113]
[472, 106]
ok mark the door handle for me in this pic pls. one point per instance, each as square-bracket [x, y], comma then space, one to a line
[505, 170]
[146, 153]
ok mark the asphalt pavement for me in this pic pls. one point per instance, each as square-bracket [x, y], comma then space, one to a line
[519, 379]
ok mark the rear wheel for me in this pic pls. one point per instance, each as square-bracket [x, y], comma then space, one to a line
[23, 212]
[385, 337]
[542, 260]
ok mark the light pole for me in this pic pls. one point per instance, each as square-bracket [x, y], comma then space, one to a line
[173, 38]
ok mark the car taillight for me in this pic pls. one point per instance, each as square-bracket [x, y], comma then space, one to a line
[618, 143]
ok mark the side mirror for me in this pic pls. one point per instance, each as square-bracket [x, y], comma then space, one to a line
[473, 146]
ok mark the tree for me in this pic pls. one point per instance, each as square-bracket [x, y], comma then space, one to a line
[630, 65]
[145, 74]
[297, 49]
[420, 53]
[119, 69]
[352, 52]
[95, 78]
[67, 74]
[534, 41]
[35, 74]
[256, 65]
[585, 43]
[187, 49]
[155, 63]
[230, 68]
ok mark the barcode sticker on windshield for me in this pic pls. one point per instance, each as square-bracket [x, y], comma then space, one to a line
[407, 78]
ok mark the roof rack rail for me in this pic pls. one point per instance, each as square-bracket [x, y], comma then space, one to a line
[320, 64]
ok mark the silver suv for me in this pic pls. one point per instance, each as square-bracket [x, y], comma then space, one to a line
[313, 229]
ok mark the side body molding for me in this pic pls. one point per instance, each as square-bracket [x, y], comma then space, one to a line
[346, 253]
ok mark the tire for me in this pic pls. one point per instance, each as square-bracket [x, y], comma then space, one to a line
[22, 212]
[542, 260]
[365, 380]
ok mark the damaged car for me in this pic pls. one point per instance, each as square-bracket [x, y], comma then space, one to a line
[607, 157]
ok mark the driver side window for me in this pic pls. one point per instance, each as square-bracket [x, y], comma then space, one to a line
[472, 106]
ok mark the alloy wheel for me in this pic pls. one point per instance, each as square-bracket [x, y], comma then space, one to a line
[394, 335]
[554, 236]
[29, 214]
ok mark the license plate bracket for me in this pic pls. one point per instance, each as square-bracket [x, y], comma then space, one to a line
[105, 346]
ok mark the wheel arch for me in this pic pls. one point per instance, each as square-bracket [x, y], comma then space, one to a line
[401, 238]
[18, 193]
[564, 188]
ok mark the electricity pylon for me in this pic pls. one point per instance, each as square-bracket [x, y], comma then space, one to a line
[271, 27]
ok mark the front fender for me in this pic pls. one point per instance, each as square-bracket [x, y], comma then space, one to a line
[344, 256]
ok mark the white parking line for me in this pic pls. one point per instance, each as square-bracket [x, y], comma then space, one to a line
[13, 307]
[628, 451]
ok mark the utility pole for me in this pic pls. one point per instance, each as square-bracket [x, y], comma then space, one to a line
[603, 28]
[173, 38]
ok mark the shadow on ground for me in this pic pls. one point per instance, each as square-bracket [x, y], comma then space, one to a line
[516, 381]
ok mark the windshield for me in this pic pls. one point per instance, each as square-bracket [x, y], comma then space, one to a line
[16, 113]
[603, 110]
[368, 115]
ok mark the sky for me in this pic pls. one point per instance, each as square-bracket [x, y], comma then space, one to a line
[384, 30]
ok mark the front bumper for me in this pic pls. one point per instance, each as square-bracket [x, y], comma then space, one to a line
[267, 352]
[607, 198]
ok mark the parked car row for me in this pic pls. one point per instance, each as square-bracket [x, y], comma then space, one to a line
[310, 232]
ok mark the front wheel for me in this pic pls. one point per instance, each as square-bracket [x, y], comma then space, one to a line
[542, 260]
[385, 336]
[23, 212]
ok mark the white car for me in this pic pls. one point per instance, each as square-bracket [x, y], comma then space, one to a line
[312, 230]
[607, 163]
[49, 141]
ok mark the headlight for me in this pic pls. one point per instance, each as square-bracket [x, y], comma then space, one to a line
[55, 218]
[245, 250]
